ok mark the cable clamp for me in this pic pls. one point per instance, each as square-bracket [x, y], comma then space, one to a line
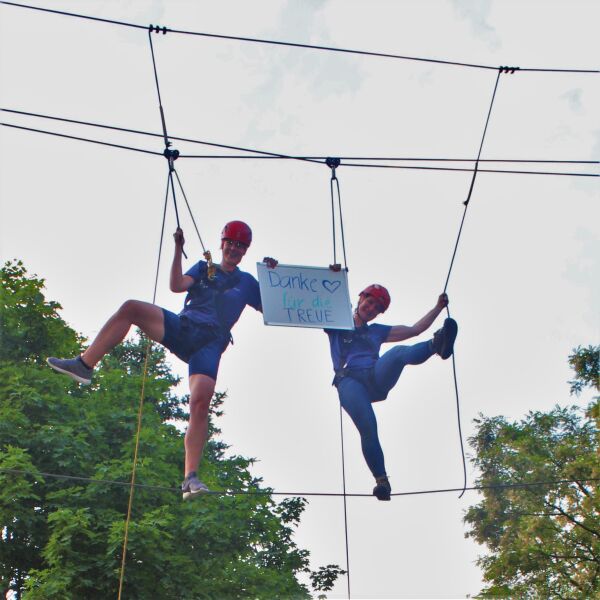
[333, 163]
[157, 29]
[510, 70]
[171, 155]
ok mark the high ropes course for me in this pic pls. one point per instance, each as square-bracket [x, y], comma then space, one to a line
[515, 167]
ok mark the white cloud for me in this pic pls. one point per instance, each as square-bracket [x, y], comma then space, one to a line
[573, 97]
[477, 12]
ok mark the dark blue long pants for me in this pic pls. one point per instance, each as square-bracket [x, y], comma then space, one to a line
[356, 398]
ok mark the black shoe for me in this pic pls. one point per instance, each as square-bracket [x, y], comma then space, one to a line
[443, 339]
[383, 489]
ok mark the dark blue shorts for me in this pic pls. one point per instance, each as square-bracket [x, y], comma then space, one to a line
[199, 346]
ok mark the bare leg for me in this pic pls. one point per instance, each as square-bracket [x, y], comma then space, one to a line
[148, 317]
[201, 392]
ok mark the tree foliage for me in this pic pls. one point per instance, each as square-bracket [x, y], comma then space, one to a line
[63, 537]
[543, 540]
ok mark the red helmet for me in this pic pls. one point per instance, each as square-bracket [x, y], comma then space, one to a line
[379, 293]
[237, 231]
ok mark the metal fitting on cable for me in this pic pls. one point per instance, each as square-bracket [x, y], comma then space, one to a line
[157, 29]
[171, 155]
[510, 70]
[333, 163]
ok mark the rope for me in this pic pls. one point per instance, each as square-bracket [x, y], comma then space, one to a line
[190, 210]
[270, 492]
[466, 204]
[171, 156]
[299, 45]
[175, 201]
[140, 410]
[133, 470]
[344, 495]
[160, 244]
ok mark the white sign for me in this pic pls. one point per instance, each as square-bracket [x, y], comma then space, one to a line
[297, 296]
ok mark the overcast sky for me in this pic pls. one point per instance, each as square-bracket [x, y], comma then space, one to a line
[525, 286]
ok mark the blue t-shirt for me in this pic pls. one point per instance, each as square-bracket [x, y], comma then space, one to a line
[220, 302]
[357, 349]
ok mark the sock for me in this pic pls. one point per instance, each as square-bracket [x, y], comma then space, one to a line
[84, 364]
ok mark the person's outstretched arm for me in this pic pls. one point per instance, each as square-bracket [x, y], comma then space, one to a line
[178, 282]
[399, 333]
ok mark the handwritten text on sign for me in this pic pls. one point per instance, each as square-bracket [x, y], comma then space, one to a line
[305, 297]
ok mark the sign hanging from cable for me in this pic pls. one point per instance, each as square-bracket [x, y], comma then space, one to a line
[297, 296]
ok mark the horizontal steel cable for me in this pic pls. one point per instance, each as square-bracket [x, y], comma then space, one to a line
[475, 488]
[304, 159]
[295, 44]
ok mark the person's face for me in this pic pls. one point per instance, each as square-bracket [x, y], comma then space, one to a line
[368, 308]
[233, 251]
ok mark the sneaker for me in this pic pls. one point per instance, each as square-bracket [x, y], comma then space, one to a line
[383, 489]
[73, 367]
[443, 339]
[192, 487]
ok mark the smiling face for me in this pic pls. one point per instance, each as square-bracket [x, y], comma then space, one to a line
[368, 308]
[233, 252]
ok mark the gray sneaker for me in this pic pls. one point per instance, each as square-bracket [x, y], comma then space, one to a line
[192, 487]
[73, 367]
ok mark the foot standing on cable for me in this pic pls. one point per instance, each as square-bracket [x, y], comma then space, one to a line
[363, 377]
[216, 297]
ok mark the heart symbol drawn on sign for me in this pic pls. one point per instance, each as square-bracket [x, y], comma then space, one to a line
[331, 286]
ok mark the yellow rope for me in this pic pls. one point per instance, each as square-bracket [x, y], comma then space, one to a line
[132, 483]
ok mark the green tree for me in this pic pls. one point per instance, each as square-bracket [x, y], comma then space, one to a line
[543, 541]
[61, 537]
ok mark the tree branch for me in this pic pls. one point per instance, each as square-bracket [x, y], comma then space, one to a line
[571, 519]
[583, 489]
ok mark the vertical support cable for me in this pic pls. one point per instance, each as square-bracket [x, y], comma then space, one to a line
[333, 214]
[333, 163]
[466, 204]
[190, 210]
[337, 181]
[345, 503]
[140, 410]
[160, 108]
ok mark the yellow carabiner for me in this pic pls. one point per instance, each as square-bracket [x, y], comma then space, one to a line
[211, 269]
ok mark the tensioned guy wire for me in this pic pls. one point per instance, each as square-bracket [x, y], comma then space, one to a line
[298, 45]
